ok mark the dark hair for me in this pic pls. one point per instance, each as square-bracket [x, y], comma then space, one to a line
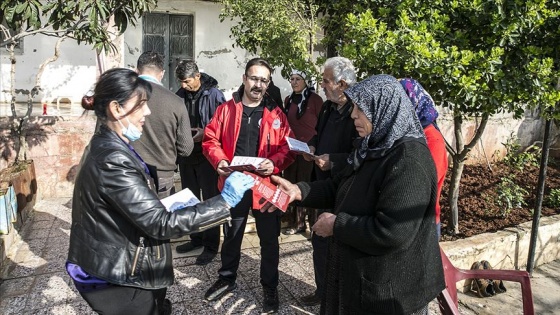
[258, 62]
[186, 69]
[150, 59]
[120, 85]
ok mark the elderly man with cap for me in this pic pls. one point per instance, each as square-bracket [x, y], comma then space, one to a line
[302, 108]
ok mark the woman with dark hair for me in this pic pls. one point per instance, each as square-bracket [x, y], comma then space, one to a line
[119, 255]
[383, 254]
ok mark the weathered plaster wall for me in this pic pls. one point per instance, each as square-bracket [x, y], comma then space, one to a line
[56, 146]
[70, 76]
[213, 49]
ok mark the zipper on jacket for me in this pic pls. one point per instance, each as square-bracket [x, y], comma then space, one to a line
[158, 256]
[137, 255]
[205, 227]
[268, 143]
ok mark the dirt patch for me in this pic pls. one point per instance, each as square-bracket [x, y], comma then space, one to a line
[478, 212]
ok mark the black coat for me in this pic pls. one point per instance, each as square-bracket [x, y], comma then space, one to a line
[120, 230]
[384, 255]
[342, 142]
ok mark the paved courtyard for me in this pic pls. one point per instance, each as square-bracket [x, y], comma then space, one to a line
[34, 280]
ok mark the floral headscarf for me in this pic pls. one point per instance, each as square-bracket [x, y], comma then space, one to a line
[388, 108]
[422, 101]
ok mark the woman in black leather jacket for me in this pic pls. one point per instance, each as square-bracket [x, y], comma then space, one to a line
[119, 255]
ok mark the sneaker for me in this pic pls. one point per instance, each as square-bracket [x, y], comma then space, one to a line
[187, 247]
[205, 257]
[219, 289]
[310, 300]
[270, 302]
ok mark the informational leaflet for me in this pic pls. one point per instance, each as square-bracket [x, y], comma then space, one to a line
[298, 146]
[268, 192]
[182, 199]
[243, 163]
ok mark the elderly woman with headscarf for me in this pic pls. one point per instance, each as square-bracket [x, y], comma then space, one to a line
[383, 254]
[302, 108]
[427, 114]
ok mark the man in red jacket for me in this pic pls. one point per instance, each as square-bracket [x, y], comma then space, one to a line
[250, 124]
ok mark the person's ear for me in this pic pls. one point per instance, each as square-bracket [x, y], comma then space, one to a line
[114, 110]
[343, 84]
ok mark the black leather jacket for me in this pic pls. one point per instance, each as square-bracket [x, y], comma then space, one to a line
[120, 230]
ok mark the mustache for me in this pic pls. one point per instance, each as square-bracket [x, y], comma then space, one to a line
[256, 89]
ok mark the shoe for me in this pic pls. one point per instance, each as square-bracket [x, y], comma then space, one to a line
[270, 302]
[166, 307]
[292, 231]
[497, 285]
[205, 257]
[187, 247]
[482, 287]
[310, 300]
[219, 289]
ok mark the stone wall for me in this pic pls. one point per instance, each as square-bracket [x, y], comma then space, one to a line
[56, 145]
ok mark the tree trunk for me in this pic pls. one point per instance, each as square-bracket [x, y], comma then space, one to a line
[459, 155]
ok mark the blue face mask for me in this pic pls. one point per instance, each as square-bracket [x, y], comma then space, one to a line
[132, 133]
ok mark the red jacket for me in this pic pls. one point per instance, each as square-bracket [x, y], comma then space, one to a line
[222, 132]
[436, 144]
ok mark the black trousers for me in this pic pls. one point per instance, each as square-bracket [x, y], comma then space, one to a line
[320, 246]
[202, 179]
[268, 230]
[125, 300]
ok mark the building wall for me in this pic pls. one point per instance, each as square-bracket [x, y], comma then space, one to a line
[70, 76]
[213, 49]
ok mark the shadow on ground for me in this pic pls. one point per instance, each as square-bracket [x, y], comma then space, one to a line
[35, 281]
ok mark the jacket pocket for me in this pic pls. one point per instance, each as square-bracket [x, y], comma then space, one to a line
[138, 257]
[377, 297]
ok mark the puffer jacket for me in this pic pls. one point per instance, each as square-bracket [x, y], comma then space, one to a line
[120, 230]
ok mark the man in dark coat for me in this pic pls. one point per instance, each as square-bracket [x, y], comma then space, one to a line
[332, 144]
[201, 96]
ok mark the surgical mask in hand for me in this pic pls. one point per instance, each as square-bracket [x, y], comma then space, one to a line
[132, 133]
[235, 187]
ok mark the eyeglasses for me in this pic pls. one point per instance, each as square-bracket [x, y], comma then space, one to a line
[257, 80]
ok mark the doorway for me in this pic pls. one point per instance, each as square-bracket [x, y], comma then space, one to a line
[171, 35]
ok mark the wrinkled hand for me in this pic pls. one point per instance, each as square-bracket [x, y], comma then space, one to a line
[197, 137]
[323, 161]
[223, 163]
[325, 224]
[235, 187]
[265, 168]
[291, 189]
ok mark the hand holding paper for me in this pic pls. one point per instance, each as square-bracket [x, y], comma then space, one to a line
[182, 199]
[298, 146]
[235, 187]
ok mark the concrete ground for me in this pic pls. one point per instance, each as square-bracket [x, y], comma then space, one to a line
[34, 280]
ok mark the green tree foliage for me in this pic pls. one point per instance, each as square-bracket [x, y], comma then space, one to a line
[282, 31]
[476, 57]
[83, 20]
